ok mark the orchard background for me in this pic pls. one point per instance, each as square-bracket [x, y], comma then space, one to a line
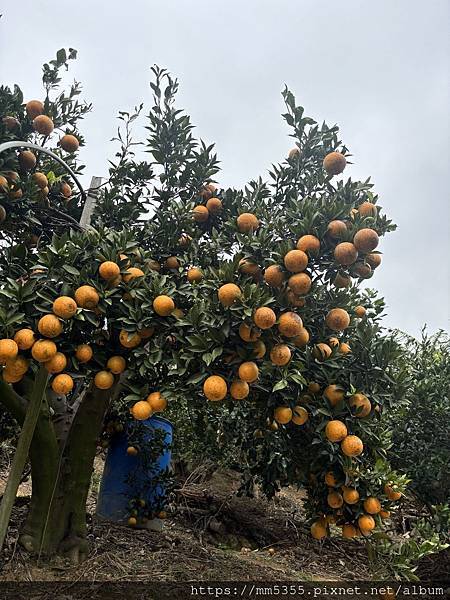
[242, 314]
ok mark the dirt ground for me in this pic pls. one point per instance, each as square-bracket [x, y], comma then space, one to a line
[210, 534]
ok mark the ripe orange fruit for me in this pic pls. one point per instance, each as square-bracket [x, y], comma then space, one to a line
[43, 125]
[132, 273]
[290, 324]
[146, 332]
[200, 214]
[214, 206]
[116, 364]
[366, 240]
[34, 108]
[153, 265]
[141, 410]
[87, 297]
[336, 229]
[333, 342]
[163, 305]
[103, 380]
[372, 505]
[334, 394]
[367, 209]
[64, 307]
[299, 415]
[345, 253]
[157, 402]
[362, 270]
[391, 493]
[207, 191]
[309, 244]
[360, 311]
[335, 431]
[194, 275]
[184, 240]
[282, 415]
[248, 371]
[62, 384]
[264, 317]
[40, 180]
[109, 270]
[69, 143]
[24, 338]
[9, 377]
[83, 353]
[335, 500]
[27, 160]
[247, 223]
[373, 259]
[259, 349]
[300, 284]
[313, 387]
[17, 366]
[293, 299]
[318, 530]
[350, 495]
[366, 523]
[249, 267]
[352, 445]
[129, 339]
[10, 123]
[322, 351]
[215, 388]
[172, 262]
[361, 405]
[342, 281]
[302, 339]
[330, 479]
[132, 451]
[228, 294]
[384, 514]
[247, 333]
[344, 348]
[337, 319]
[296, 261]
[43, 350]
[56, 364]
[239, 389]
[50, 326]
[334, 163]
[280, 355]
[274, 276]
[349, 530]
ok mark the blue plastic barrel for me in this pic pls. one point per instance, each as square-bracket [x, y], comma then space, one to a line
[128, 477]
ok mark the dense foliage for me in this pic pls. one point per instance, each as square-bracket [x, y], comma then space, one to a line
[240, 309]
[420, 420]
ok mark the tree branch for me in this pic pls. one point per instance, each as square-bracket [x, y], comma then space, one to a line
[12, 401]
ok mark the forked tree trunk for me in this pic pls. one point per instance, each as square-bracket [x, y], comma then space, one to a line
[61, 474]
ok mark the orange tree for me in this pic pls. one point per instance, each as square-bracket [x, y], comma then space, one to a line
[240, 308]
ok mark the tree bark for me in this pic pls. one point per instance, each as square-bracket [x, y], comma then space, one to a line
[61, 470]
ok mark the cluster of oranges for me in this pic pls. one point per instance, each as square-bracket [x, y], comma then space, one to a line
[144, 409]
[345, 500]
[16, 352]
[10, 181]
[212, 206]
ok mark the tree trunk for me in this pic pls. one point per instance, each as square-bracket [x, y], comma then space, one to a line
[61, 474]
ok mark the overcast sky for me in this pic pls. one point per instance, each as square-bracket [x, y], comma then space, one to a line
[378, 69]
